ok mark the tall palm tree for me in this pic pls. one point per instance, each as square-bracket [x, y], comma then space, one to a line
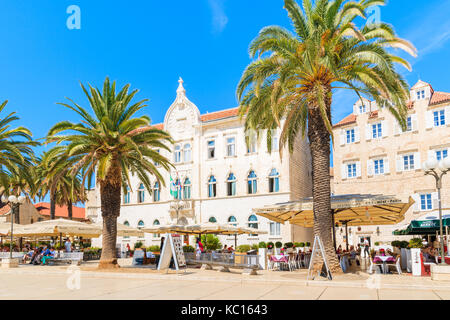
[112, 143]
[55, 179]
[294, 76]
[15, 146]
[16, 159]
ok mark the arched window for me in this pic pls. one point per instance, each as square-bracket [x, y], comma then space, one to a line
[253, 223]
[126, 196]
[156, 192]
[177, 154]
[187, 152]
[141, 193]
[126, 223]
[252, 183]
[212, 187]
[274, 181]
[232, 220]
[212, 220]
[140, 226]
[156, 223]
[231, 185]
[187, 189]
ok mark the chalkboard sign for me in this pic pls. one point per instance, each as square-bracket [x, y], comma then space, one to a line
[172, 247]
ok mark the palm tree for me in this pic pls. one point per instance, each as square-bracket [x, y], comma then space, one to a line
[15, 146]
[16, 159]
[112, 143]
[70, 191]
[294, 76]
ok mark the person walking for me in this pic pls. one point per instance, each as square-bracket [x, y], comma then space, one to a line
[68, 245]
[366, 248]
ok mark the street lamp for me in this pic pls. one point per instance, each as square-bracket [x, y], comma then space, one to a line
[438, 169]
[179, 204]
[15, 201]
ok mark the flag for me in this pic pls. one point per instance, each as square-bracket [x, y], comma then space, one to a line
[173, 188]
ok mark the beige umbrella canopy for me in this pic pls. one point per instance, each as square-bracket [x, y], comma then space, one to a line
[57, 227]
[123, 230]
[5, 228]
[174, 228]
[352, 210]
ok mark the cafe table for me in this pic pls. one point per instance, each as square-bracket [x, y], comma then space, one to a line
[384, 259]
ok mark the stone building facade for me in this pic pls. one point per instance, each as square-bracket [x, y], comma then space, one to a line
[373, 155]
[221, 178]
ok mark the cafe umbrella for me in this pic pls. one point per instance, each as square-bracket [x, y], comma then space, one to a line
[348, 210]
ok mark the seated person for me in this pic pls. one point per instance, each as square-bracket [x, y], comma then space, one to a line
[27, 256]
[48, 254]
[428, 256]
[36, 259]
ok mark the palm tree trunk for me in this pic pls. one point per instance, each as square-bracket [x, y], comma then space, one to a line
[52, 206]
[319, 139]
[69, 209]
[110, 193]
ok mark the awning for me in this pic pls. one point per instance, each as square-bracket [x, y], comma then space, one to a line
[54, 228]
[353, 210]
[124, 231]
[427, 224]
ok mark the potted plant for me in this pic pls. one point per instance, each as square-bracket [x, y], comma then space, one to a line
[307, 246]
[270, 246]
[262, 253]
[278, 246]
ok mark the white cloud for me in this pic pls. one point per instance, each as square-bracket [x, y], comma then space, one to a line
[219, 17]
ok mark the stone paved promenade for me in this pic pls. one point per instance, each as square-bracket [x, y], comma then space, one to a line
[58, 282]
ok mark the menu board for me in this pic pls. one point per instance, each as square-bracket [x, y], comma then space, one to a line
[172, 247]
[177, 247]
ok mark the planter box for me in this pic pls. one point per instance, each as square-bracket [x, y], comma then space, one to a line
[239, 257]
[404, 259]
[262, 252]
[416, 266]
[440, 273]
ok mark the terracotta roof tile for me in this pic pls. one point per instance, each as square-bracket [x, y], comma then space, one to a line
[44, 209]
[223, 114]
[4, 210]
[351, 118]
[439, 97]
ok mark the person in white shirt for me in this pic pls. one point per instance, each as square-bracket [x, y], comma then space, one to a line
[68, 245]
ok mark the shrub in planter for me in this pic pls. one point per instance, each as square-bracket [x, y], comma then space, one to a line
[396, 244]
[288, 244]
[270, 245]
[278, 244]
[377, 243]
[404, 244]
[211, 242]
[154, 248]
[187, 249]
[243, 248]
[262, 244]
[415, 243]
[296, 244]
[138, 245]
[302, 245]
[307, 244]
[255, 247]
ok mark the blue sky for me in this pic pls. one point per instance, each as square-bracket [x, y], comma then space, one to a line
[151, 43]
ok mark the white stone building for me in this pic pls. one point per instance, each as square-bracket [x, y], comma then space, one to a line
[222, 179]
[373, 155]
